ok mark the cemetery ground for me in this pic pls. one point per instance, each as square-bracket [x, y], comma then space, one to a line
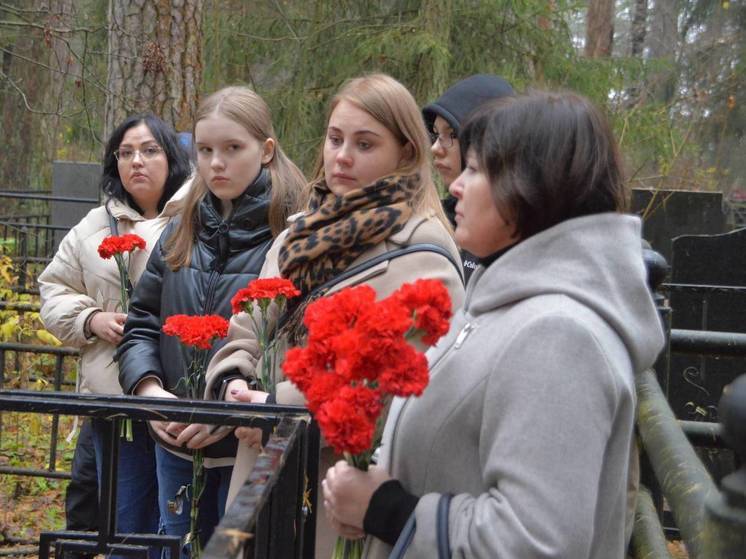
[30, 505]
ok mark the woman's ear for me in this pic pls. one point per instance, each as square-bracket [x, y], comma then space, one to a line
[268, 151]
[407, 153]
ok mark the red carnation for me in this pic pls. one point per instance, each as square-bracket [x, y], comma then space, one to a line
[197, 331]
[407, 375]
[263, 291]
[113, 245]
[346, 427]
[331, 315]
[429, 301]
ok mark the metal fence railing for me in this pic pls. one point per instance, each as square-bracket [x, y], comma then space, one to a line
[10, 354]
[710, 520]
[275, 494]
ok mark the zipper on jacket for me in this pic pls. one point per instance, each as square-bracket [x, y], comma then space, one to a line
[220, 259]
[468, 328]
[465, 331]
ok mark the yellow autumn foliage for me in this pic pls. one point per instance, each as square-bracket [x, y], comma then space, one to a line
[48, 338]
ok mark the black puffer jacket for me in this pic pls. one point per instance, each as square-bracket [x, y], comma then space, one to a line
[227, 255]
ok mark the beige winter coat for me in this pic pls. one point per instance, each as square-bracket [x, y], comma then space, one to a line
[241, 351]
[78, 282]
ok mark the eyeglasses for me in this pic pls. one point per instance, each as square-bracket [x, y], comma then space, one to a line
[126, 155]
[445, 140]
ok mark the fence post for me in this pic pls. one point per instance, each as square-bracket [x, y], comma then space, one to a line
[657, 269]
[724, 532]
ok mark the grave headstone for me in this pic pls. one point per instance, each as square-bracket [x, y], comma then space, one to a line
[74, 180]
[667, 214]
[696, 382]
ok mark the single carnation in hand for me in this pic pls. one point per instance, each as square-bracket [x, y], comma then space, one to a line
[198, 331]
[263, 291]
[120, 244]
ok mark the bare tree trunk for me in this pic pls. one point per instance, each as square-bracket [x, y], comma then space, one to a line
[61, 65]
[639, 26]
[599, 25]
[25, 82]
[662, 41]
[155, 60]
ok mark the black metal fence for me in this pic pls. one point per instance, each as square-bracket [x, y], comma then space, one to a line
[281, 491]
[27, 235]
[10, 358]
[679, 496]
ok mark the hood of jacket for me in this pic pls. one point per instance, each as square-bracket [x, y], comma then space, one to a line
[121, 210]
[596, 260]
[245, 227]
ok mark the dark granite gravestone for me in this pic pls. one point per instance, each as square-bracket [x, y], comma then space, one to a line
[75, 180]
[696, 382]
[669, 213]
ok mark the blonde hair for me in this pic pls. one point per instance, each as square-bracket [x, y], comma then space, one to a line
[245, 107]
[391, 104]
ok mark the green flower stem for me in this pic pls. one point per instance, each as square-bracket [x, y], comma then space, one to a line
[347, 549]
[194, 386]
[125, 431]
[198, 483]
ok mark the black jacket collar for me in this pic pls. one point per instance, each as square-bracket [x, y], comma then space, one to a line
[246, 226]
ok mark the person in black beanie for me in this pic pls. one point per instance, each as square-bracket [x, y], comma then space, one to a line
[443, 118]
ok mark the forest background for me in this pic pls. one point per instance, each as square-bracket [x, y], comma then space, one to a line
[670, 73]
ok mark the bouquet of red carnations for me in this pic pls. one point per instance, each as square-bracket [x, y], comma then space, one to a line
[358, 355]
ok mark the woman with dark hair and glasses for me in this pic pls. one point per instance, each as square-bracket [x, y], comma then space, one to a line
[521, 445]
[443, 118]
[144, 169]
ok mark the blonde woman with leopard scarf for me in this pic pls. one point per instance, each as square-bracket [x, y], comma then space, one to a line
[372, 193]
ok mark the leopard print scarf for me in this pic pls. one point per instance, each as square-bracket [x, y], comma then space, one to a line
[338, 229]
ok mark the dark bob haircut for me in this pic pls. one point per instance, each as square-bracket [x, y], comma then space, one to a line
[549, 157]
[179, 167]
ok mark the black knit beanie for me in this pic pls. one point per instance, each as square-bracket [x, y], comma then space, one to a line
[465, 96]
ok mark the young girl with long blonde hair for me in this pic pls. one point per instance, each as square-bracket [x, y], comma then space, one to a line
[245, 190]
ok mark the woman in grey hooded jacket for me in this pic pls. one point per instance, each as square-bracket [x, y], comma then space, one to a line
[528, 418]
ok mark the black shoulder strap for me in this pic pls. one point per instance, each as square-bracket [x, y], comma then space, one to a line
[114, 227]
[386, 257]
[363, 266]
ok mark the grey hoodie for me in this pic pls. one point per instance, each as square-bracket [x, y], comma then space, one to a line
[528, 418]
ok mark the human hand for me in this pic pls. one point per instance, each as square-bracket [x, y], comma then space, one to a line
[150, 387]
[197, 435]
[251, 436]
[238, 391]
[347, 493]
[108, 326]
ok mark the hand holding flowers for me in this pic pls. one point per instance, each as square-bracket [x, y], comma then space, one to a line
[200, 333]
[109, 326]
[263, 292]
